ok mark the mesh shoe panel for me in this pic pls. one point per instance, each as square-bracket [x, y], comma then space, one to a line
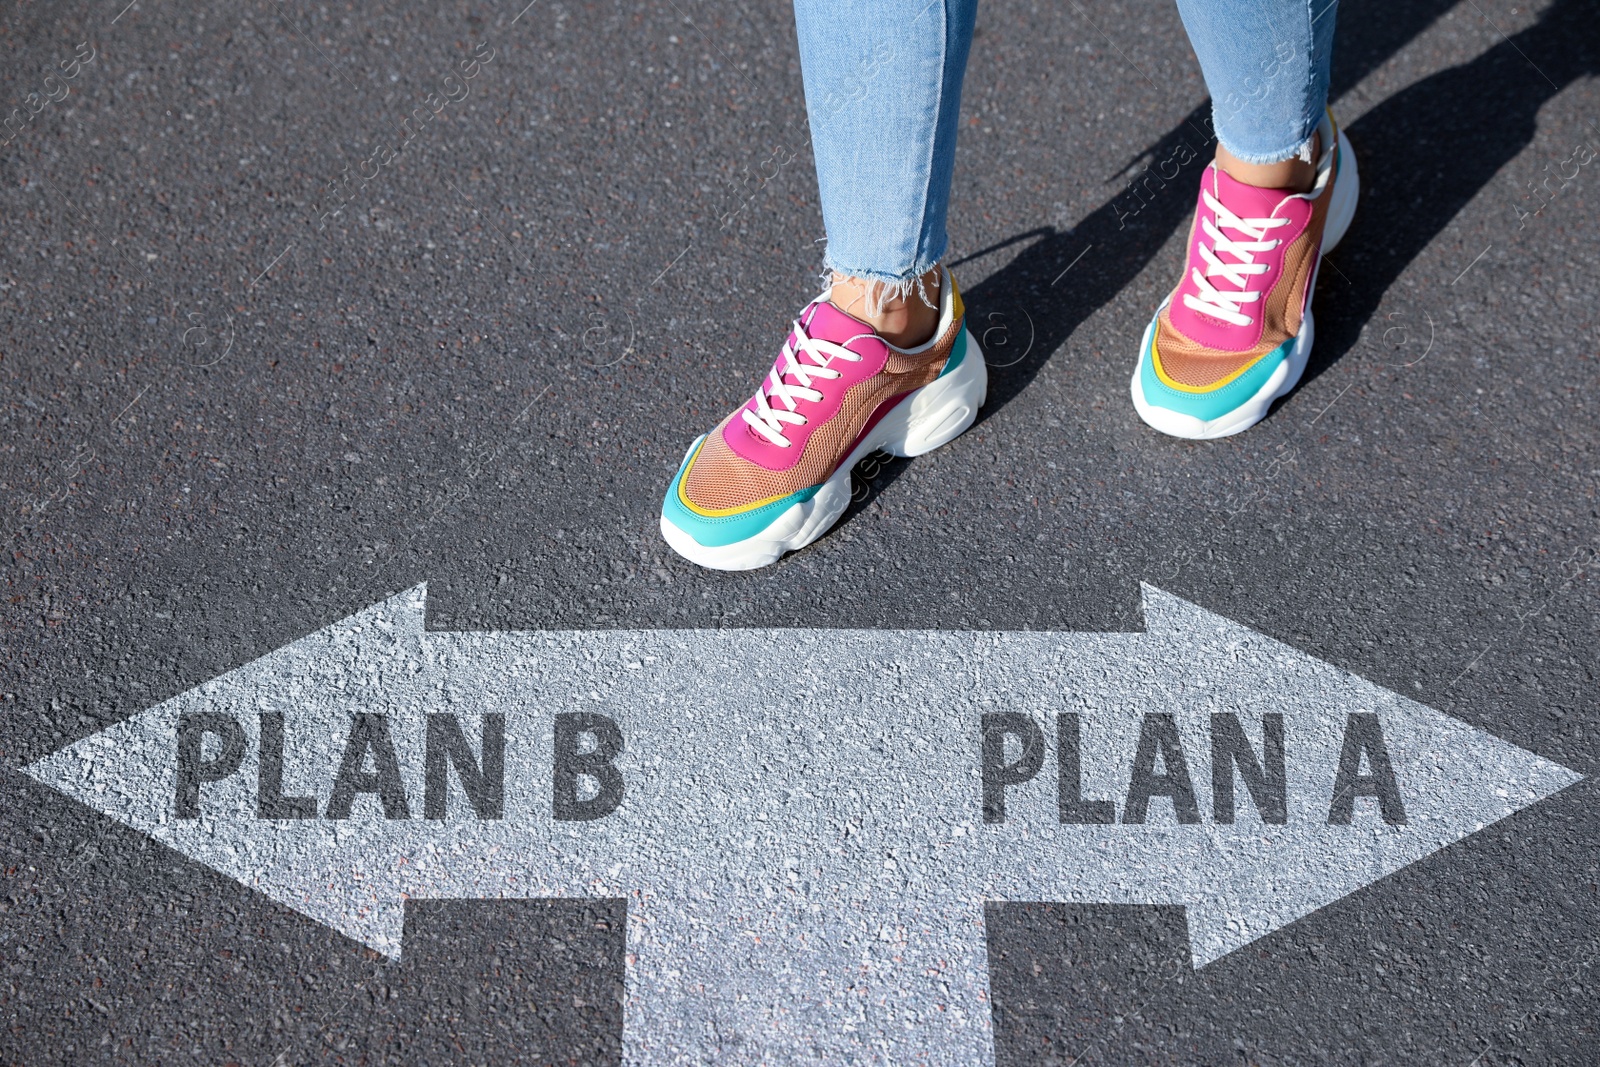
[719, 478]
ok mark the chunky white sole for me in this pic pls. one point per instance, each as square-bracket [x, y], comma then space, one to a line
[934, 415]
[1341, 210]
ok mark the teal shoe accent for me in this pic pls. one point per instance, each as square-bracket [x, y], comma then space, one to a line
[958, 352]
[1218, 402]
[721, 531]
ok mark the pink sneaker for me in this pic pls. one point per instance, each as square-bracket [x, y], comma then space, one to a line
[775, 474]
[1236, 332]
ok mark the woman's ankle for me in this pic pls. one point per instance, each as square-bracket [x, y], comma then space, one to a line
[904, 321]
[1293, 173]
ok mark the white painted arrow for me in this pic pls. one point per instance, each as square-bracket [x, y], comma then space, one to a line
[801, 837]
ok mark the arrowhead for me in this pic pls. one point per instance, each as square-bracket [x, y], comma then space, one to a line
[1239, 882]
[129, 770]
[1454, 778]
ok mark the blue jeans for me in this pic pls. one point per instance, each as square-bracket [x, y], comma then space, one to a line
[883, 93]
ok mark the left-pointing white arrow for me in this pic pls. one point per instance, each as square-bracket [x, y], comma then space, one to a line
[805, 823]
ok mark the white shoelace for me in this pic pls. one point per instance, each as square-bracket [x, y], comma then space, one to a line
[768, 420]
[1211, 300]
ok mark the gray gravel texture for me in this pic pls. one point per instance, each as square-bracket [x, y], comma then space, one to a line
[228, 425]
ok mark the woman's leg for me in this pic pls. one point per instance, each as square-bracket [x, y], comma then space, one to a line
[1236, 332]
[1266, 65]
[883, 361]
[883, 89]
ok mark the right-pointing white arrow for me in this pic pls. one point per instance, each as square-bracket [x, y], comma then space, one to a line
[805, 823]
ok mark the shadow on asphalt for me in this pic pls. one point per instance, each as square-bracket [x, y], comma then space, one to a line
[1430, 149]
[1424, 153]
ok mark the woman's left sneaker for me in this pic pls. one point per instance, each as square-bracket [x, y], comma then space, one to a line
[775, 474]
[1236, 333]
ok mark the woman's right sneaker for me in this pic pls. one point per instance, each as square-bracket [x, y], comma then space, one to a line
[775, 474]
[1236, 332]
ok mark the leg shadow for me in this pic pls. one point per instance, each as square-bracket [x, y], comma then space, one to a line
[1063, 277]
[1430, 149]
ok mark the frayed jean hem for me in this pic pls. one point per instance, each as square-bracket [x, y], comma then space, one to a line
[886, 286]
[1300, 148]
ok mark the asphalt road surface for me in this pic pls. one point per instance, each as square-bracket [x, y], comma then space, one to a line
[260, 373]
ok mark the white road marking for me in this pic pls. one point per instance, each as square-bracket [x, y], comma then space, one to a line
[801, 835]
